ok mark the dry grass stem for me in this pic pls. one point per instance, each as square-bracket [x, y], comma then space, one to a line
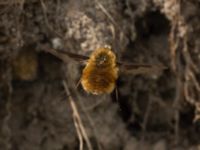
[81, 132]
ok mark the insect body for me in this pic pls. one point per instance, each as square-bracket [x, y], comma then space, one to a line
[102, 69]
[100, 74]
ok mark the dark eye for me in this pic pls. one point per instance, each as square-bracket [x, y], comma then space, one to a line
[101, 59]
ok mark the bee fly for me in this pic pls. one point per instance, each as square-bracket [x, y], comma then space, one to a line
[102, 69]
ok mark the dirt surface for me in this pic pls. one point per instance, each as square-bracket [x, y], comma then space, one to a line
[152, 112]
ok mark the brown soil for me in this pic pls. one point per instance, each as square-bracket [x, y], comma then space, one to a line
[153, 111]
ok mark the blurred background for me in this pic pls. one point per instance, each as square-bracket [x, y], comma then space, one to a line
[151, 112]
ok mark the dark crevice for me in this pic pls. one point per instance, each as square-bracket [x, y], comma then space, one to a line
[152, 23]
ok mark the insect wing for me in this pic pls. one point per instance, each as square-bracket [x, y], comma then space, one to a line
[65, 56]
[135, 69]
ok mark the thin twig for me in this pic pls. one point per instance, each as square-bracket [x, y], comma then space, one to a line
[107, 13]
[91, 122]
[115, 28]
[82, 134]
[146, 118]
[44, 9]
[78, 130]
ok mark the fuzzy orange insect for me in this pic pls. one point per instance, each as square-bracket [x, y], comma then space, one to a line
[101, 72]
[102, 69]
